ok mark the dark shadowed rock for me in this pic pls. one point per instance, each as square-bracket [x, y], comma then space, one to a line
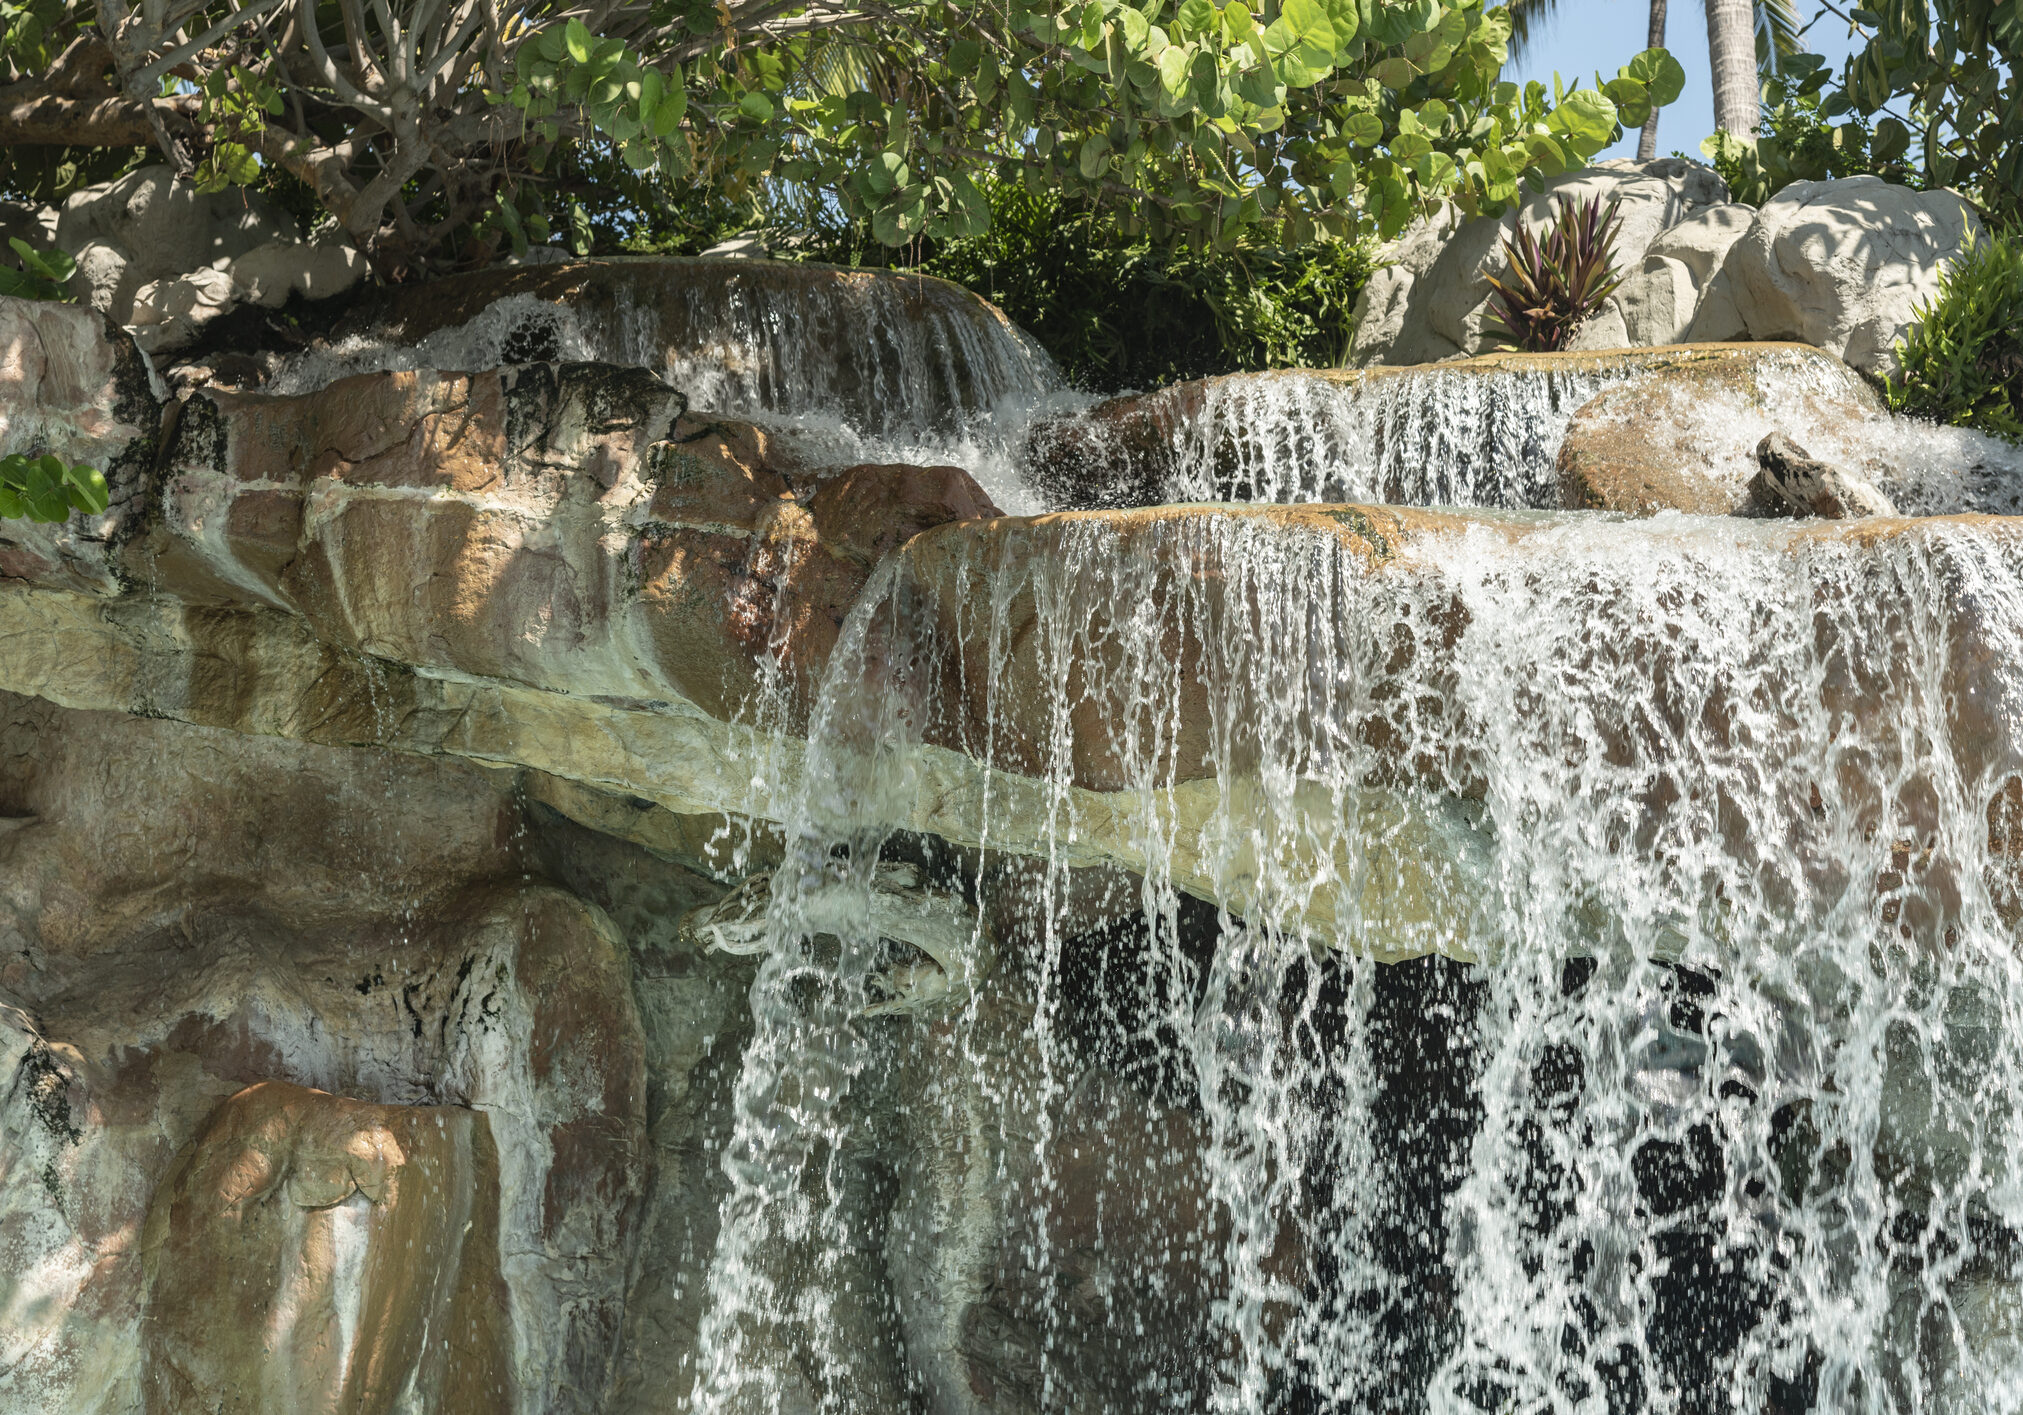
[1792, 482]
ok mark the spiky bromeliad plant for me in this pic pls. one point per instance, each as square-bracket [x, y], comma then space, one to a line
[1555, 285]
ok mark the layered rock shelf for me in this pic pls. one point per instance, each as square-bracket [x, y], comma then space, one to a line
[508, 874]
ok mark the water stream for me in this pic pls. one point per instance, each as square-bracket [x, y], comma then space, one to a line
[1717, 1118]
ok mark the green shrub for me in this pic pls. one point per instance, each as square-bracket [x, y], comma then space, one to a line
[1963, 364]
[1810, 133]
[1117, 312]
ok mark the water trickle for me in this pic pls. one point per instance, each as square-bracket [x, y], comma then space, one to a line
[1703, 836]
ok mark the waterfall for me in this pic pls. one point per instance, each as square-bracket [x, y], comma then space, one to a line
[1488, 434]
[1426, 437]
[1569, 965]
[848, 366]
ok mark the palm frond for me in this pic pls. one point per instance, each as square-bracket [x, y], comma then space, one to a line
[1777, 33]
[1527, 22]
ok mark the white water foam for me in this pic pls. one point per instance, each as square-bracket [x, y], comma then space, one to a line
[1731, 1122]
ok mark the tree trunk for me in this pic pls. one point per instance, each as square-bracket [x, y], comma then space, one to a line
[1731, 46]
[1647, 145]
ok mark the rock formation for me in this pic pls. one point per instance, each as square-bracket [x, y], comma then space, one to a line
[522, 890]
[1840, 265]
[1792, 482]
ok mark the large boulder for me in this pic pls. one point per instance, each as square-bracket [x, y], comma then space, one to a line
[186, 913]
[1429, 301]
[1840, 265]
[1683, 436]
[155, 253]
[1843, 264]
[310, 1251]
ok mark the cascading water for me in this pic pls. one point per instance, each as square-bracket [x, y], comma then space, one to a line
[848, 366]
[1489, 434]
[1706, 1105]
[1420, 437]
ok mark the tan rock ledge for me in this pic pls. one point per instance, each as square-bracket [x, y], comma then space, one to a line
[1392, 863]
[1368, 433]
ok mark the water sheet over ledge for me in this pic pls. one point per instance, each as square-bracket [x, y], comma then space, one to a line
[1729, 811]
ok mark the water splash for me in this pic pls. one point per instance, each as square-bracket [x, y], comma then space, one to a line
[1425, 437]
[1720, 1118]
[1489, 435]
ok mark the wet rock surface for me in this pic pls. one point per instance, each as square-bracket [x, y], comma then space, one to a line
[1793, 482]
[437, 765]
[309, 1250]
[1685, 439]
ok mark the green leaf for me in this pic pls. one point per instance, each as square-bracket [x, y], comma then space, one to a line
[52, 265]
[757, 107]
[1394, 73]
[1195, 17]
[1094, 158]
[1659, 73]
[1364, 129]
[668, 115]
[1585, 119]
[87, 489]
[1303, 35]
[886, 173]
[576, 39]
[963, 57]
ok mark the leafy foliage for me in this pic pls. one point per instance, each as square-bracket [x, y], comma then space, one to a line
[1556, 284]
[432, 126]
[1956, 69]
[1963, 362]
[1798, 142]
[1119, 312]
[45, 489]
[1191, 120]
[43, 275]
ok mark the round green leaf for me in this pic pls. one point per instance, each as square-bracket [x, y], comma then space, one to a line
[1586, 119]
[1659, 73]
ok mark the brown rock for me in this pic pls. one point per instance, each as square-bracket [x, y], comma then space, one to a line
[1792, 482]
[312, 1252]
[73, 384]
[188, 912]
[1682, 437]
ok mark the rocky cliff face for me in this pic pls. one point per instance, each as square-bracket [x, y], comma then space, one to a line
[395, 781]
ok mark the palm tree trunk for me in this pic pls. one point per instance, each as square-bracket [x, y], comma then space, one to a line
[1647, 145]
[1731, 46]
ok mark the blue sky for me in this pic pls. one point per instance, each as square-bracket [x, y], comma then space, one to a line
[1587, 35]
